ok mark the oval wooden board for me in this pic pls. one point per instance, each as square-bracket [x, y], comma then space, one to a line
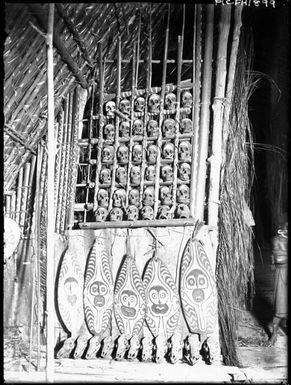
[70, 292]
[129, 299]
[98, 289]
[162, 299]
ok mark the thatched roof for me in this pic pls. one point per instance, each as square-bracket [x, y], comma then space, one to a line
[78, 29]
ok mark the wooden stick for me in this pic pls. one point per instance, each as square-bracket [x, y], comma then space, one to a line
[196, 104]
[133, 82]
[50, 309]
[205, 114]
[218, 109]
[101, 123]
[7, 205]
[58, 166]
[24, 195]
[13, 205]
[30, 197]
[161, 115]
[116, 120]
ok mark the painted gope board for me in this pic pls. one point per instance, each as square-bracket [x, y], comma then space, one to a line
[162, 299]
[70, 293]
[197, 288]
[129, 299]
[98, 289]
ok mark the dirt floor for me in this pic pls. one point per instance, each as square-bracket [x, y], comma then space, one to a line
[259, 363]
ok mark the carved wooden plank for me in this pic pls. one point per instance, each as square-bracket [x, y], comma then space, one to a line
[129, 299]
[197, 284]
[162, 299]
[70, 293]
[98, 289]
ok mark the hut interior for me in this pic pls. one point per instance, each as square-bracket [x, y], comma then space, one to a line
[140, 196]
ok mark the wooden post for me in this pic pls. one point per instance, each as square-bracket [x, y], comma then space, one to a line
[50, 203]
[218, 108]
[205, 114]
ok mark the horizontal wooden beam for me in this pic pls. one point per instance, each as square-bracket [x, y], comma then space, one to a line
[40, 15]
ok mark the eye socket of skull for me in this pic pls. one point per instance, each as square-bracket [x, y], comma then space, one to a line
[152, 128]
[124, 129]
[132, 213]
[116, 214]
[137, 127]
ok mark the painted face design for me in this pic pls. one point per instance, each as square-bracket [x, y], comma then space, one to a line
[197, 281]
[71, 288]
[159, 296]
[98, 290]
[128, 301]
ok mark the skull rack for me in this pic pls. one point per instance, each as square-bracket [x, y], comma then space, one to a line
[143, 155]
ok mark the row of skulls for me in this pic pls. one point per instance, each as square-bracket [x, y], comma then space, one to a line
[153, 103]
[152, 128]
[133, 211]
[167, 152]
[166, 172]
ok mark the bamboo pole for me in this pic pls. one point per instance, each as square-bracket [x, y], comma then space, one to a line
[18, 196]
[205, 114]
[196, 91]
[161, 115]
[116, 120]
[218, 109]
[51, 204]
[58, 166]
[24, 195]
[30, 197]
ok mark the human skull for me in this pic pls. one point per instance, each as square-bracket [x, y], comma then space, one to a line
[116, 214]
[147, 212]
[148, 196]
[122, 154]
[185, 151]
[133, 197]
[101, 214]
[110, 108]
[121, 175]
[164, 212]
[137, 127]
[170, 102]
[119, 197]
[187, 99]
[105, 176]
[183, 211]
[107, 154]
[184, 172]
[183, 194]
[152, 153]
[137, 153]
[167, 173]
[150, 173]
[102, 198]
[139, 104]
[186, 126]
[109, 132]
[135, 175]
[168, 128]
[132, 213]
[124, 106]
[154, 103]
[165, 195]
[124, 129]
[168, 151]
[152, 128]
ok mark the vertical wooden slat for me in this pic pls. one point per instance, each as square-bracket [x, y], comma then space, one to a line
[118, 90]
[24, 195]
[13, 206]
[51, 204]
[58, 166]
[218, 111]
[18, 195]
[30, 197]
[101, 122]
[7, 205]
[205, 113]
[196, 91]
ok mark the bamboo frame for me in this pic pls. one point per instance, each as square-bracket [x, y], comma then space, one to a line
[218, 109]
[204, 114]
[51, 203]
